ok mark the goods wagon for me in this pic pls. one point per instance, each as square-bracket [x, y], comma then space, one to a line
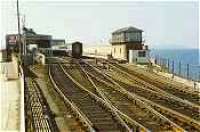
[77, 49]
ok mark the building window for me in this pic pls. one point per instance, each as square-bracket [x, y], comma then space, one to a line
[114, 50]
[120, 51]
[141, 53]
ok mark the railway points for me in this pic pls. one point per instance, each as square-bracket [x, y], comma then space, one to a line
[90, 109]
[96, 74]
[182, 119]
[175, 89]
[92, 92]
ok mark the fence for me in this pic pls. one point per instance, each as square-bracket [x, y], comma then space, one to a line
[188, 71]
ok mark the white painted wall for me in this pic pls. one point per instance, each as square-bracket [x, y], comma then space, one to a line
[135, 58]
[119, 52]
[103, 51]
[9, 70]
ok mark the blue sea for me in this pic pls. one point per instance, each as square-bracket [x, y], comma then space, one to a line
[182, 59]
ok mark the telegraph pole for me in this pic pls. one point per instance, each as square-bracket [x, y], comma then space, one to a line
[19, 32]
[24, 35]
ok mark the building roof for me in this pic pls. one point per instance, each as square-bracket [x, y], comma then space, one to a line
[33, 36]
[38, 36]
[58, 40]
[127, 29]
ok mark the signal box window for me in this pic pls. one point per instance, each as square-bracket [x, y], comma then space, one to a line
[141, 53]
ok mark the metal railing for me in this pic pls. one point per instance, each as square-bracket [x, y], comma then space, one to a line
[188, 71]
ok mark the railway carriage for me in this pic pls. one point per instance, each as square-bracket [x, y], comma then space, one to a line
[77, 49]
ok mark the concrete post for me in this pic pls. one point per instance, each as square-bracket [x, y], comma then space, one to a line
[188, 70]
[96, 61]
[179, 68]
[173, 67]
[195, 84]
[199, 76]
[168, 65]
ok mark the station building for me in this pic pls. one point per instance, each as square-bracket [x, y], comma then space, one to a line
[58, 43]
[41, 40]
[28, 38]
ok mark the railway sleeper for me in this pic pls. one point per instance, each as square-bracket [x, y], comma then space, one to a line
[107, 127]
[93, 112]
[91, 115]
[101, 118]
[100, 111]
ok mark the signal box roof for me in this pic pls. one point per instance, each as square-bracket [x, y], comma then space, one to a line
[127, 29]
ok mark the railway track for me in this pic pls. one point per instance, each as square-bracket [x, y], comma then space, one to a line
[75, 72]
[162, 79]
[189, 107]
[151, 81]
[161, 99]
[116, 72]
[94, 113]
[185, 122]
[78, 73]
[38, 115]
[157, 97]
[132, 107]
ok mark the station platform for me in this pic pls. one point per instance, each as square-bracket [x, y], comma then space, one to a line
[11, 98]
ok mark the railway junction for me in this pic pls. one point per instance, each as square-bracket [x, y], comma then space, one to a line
[61, 90]
[103, 95]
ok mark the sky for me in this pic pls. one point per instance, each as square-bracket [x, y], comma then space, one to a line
[166, 25]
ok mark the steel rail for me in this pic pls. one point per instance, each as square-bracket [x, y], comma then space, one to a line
[164, 80]
[141, 105]
[190, 111]
[99, 99]
[161, 99]
[81, 116]
[170, 112]
[99, 92]
[41, 122]
[117, 112]
[184, 118]
[98, 108]
[135, 97]
[155, 87]
[159, 90]
[35, 99]
[47, 111]
[108, 101]
[37, 117]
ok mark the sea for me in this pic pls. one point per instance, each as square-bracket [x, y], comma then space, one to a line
[186, 62]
